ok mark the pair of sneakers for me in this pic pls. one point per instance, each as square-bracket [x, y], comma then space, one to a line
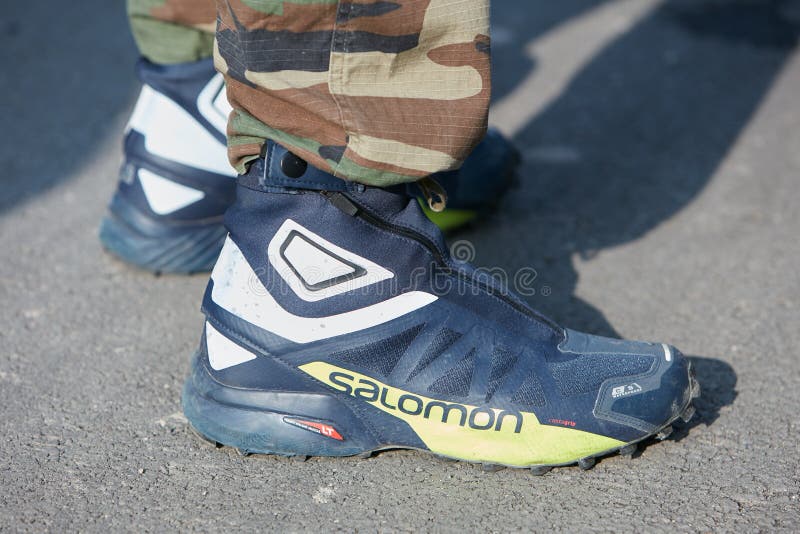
[336, 322]
[176, 182]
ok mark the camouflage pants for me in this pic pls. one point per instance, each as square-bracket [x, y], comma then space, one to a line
[376, 91]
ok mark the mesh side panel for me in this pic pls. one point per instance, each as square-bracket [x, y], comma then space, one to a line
[456, 381]
[503, 362]
[586, 373]
[443, 340]
[530, 393]
[380, 356]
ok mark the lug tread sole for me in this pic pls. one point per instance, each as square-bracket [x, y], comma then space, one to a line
[586, 463]
[194, 251]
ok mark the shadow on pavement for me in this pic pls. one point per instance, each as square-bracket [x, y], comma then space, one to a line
[645, 125]
[68, 75]
[515, 25]
[718, 389]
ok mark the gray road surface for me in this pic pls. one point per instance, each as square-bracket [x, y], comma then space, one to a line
[660, 199]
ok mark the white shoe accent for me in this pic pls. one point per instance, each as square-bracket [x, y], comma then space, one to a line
[222, 352]
[313, 265]
[172, 133]
[317, 264]
[238, 290]
[166, 196]
[212, 102]
[667, 352]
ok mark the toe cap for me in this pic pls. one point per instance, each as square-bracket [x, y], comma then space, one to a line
[645, 401]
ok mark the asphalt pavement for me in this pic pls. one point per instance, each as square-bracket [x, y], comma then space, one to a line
[659, 199]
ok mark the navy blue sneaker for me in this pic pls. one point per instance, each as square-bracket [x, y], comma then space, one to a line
[337, 324]
[176, 183]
